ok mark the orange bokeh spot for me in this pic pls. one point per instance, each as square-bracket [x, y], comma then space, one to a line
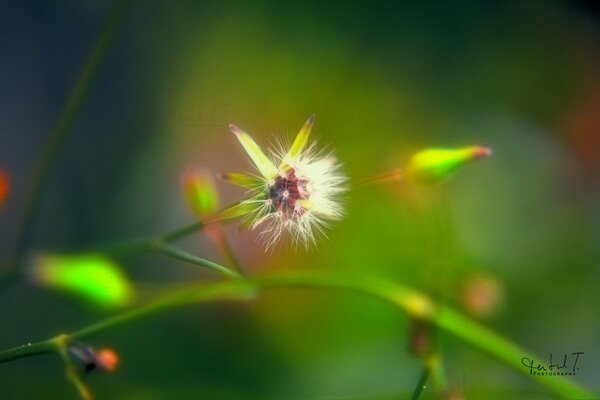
[107, 359]
[482, 295]
[4, 187]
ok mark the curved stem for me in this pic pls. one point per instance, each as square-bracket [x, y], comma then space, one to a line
[220, 239]
[59, 134]
[137, 246]
[178, 254]
[234, 290]
[182, 232]
[28, 350]
[412, 302]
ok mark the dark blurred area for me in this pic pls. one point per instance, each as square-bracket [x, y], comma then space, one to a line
[384, 81]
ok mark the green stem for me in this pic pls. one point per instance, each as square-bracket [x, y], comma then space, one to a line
[58, 136]
[28, 350]
[229, 254]
[422, 382]
[412, 302]
[178, 254]
[182, 232]
[437, 374]
[225, 247]
[72, 374]
[137, 246]
[234, 289]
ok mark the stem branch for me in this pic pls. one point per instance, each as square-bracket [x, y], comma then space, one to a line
[178, 254]
[413, 303]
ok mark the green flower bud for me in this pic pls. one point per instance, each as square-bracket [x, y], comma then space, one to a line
[437, 164]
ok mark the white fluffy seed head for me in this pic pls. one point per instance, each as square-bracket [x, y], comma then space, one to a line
[300, 201]
[297, 191]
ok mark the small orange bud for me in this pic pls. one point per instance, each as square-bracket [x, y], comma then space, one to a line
[91, 359]
[107, 359]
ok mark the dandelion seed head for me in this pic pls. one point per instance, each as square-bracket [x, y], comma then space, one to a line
[297, 192]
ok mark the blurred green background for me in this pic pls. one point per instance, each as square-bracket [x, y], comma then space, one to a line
[384, 81]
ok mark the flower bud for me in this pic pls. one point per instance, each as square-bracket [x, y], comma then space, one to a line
[200, 191]
[90, 277]
[105, 359]
[436, 164]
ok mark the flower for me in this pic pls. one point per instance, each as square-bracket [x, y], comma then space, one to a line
[295, 191]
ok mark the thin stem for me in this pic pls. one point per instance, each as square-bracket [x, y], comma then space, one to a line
[59, 134]
[233, 289]
[413, 303]
[422, 382]
[230, 254]
[137, 246]
[72, 374]
[225, 248]
[182, 232]
[29, 350]
[390, 176]
[437, 375]
[179, 254]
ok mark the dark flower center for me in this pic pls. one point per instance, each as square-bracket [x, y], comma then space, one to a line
[284, 193]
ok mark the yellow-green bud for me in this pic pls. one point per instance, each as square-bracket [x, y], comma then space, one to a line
[436, 164]
[90, 277]
[200, 191]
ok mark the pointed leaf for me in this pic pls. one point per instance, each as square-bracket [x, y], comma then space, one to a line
[237, 210]
[262, 162]
[241, 179]
[301, 139]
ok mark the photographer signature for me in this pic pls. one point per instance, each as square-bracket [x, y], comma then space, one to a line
[567, 362]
